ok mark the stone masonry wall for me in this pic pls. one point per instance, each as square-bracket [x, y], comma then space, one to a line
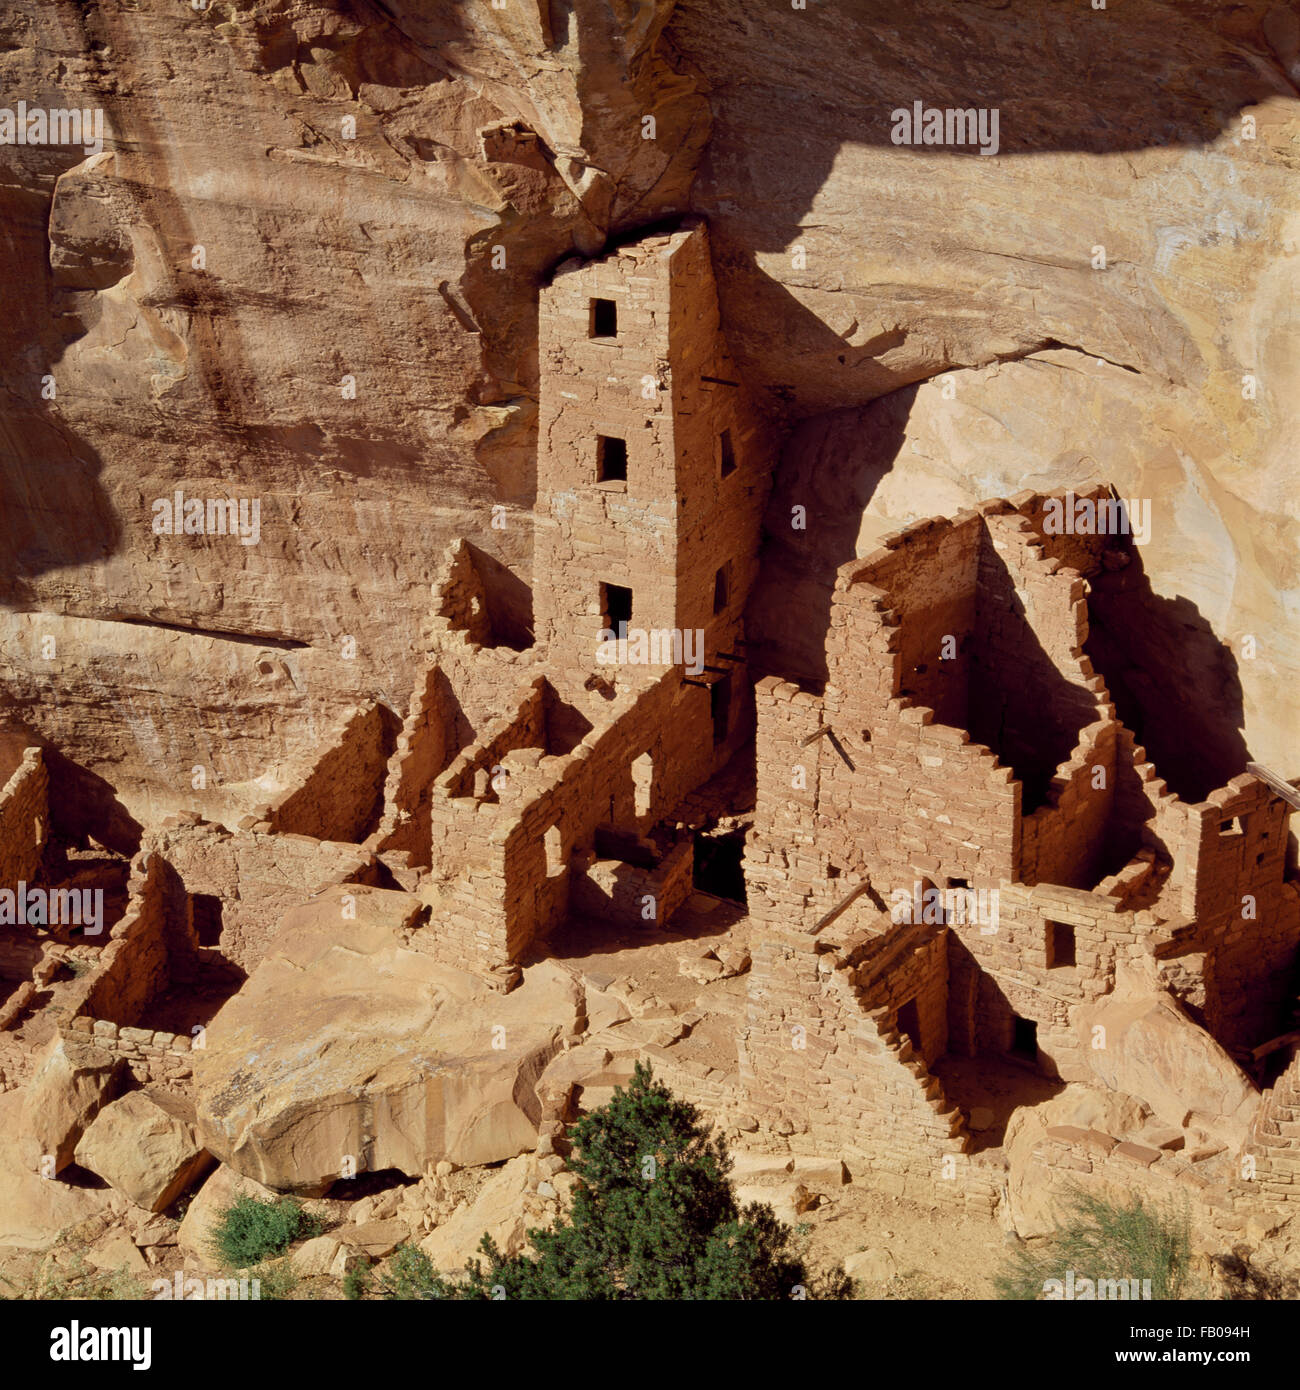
[151, 1055]
[816, 1062]
[422, 752]
[619, 531]
[510, 859]
[24, 820]
[145, 949]
[255, 878]
[341, 798]
[697, 465]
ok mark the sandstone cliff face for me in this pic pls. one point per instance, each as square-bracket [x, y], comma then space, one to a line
[304, 271]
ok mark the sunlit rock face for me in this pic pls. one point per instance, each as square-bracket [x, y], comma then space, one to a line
[304, 270]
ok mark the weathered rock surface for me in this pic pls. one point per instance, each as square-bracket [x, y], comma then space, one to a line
[144, 1146]
[498, 1211]
[71, 1085]
[308, 275]
[1156, 1054]
[34, 1209]
[315, 1257]
[362, 1054]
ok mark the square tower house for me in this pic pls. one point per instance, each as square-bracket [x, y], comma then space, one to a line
[651, 472]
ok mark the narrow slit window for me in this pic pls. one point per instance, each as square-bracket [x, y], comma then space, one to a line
[721, 589]
[726, 454]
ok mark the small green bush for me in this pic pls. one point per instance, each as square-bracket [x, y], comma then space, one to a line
[276, 1282]
[1102, 1240]
[251, 1230]
[408, 1275]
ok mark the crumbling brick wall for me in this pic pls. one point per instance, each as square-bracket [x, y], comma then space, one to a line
[24, 816]
[460, 597]
[510, 858]
[254, 879]
[862, 785]
[422, 752]
[147, 948]
[151, 1054]
[1032, 688]
[1230, 856]
[630, 895]
[342, 797]
[1273, 1149]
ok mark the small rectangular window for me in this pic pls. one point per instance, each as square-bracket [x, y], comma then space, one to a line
[604, 319]
[1060, 945]
[616, 606]
[726, 455]
[611, 459]
[1235, 826]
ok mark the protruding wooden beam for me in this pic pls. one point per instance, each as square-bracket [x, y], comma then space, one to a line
[1277, 785]
[845, 902]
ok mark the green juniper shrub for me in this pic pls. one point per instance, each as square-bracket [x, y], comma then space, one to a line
[653, 1216]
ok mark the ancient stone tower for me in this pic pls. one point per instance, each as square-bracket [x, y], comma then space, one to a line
[651, 469]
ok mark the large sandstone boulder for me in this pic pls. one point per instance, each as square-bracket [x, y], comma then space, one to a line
[1035, 1190]
[348, 1051]
[71, 1085]
[1155, 1053]
[33, 1209]
[144, 1146]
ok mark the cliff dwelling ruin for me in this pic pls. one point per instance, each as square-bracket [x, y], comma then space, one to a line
[947, 880]
[540, 538]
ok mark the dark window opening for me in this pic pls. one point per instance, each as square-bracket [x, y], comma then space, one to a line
[1024, 1038]
[616, 606]
[726, 454]
[719, 866]
[720, 589]
[611, 459]
[613, 843]
[909, 1024]
[1060, 945]
[205, 913]
[604, 319]
[962, 883]
[720, 708]
[1235, 826]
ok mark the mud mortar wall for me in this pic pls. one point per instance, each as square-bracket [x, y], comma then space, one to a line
[24, 819]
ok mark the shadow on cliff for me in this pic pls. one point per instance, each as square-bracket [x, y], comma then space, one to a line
[795, 92]
[54, 512]
[788, 615]
[1146, 74]
[1175, 684]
